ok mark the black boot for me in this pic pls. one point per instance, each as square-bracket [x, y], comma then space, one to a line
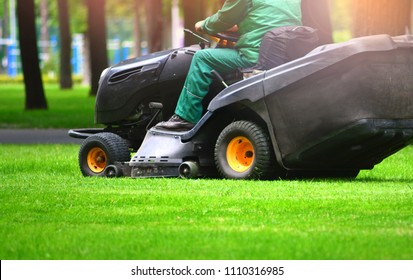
[175, 123]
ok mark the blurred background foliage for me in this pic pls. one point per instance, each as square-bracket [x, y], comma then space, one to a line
[128, 19]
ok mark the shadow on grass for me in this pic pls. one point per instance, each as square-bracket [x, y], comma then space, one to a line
[386, 180]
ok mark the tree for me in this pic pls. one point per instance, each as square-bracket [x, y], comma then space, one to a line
[4, 27]
[35, 97]
[44, 30]
[137, 27]
[380, 16]
[196, 10]
[193, 12]
[316, 13]
[154, 22]
[65, 72]
[97, 41]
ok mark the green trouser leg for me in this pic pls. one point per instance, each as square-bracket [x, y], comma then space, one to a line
[199, 78]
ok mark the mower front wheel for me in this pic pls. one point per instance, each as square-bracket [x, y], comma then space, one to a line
[243, 151]
[101, 150]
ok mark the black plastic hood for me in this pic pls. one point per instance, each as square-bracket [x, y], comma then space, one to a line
[124, 86]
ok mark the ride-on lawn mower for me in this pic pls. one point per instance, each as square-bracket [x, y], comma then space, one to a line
[339, 109]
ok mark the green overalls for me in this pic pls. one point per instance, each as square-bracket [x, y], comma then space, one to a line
[254, 18]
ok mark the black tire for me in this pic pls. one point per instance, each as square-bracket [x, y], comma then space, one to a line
[101, 150]
[243, 151]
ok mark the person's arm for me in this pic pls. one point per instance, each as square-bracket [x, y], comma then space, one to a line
[231, 14]
[199, 24]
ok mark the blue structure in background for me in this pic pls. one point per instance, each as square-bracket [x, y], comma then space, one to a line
[125, 52]
[121, 51]
[54, 44]
[77, 57]
[75, 62]
[12, 52]
[116, 51]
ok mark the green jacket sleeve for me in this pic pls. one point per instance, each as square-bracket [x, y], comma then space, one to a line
[231, 13]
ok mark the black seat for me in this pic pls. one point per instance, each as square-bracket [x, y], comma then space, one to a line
[282, 45]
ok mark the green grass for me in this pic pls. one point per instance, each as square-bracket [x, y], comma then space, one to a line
[49, 211]
[67, 108]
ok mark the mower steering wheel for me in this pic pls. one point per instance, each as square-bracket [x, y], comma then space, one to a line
[228, 36]
[225, 39]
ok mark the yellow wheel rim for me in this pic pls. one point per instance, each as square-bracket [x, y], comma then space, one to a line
[240, 154]
[96, 160]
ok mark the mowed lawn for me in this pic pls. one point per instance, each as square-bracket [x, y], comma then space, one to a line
[49, 211]
[72, 108]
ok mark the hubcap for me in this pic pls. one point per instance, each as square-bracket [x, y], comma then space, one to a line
[240, 154]
[96, 160]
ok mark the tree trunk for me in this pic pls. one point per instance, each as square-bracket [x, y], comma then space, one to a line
[381, 17]
[44, 30]
[193, 12]
[97, 41]
[154, 21]
[166, 41]
[35, 97]
[316, 14]
[5, 28]
[136, 27]
[5, 21]
[86, 58]
[65, 74]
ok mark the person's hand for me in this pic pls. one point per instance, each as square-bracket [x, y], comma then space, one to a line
[198, 25]
[233, 29]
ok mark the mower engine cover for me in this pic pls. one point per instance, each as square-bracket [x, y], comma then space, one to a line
[124, 86]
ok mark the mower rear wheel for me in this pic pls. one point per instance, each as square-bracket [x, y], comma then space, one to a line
[101, 150]
[243, 151]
